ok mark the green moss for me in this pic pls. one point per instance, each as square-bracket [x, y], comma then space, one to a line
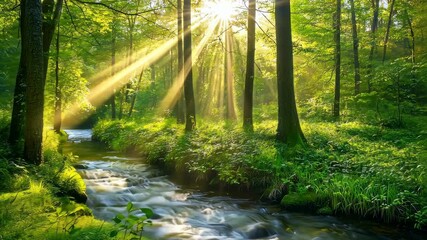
[325, 211]
[307, 202]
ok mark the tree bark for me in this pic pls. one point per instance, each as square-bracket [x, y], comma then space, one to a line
[18, 111]
[35, 83]
[58, 95]
[289, 129]
[355, 50]
[250, 69]
[387, 34]
[337, 39]
[51, 15]
[190, 107]
[179, 108]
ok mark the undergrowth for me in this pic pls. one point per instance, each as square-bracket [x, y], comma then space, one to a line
[38, 202]
[363, 169]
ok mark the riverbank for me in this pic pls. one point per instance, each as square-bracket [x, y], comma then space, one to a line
[350, 168]
[46, 201]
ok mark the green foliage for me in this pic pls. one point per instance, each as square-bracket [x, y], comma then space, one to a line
[133, 223]
[64, 179]
[354, 167]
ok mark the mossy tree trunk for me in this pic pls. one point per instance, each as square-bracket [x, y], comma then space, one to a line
[18, 111]
[289, 129]
[35, 83]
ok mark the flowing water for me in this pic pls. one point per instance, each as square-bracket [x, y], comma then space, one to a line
[182, 212]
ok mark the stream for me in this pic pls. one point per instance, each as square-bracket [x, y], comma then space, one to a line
[184, 212]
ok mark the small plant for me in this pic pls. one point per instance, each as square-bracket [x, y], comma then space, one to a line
[133, 223]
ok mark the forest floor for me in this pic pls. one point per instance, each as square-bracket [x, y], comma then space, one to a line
[346, 168]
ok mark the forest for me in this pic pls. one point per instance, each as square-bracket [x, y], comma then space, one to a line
[213, 119]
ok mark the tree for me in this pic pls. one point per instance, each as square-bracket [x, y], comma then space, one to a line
[51, 15]
[250, 69]
[289, 129]
[179, 108]
[58, 98]
[374, 28]
[18, 109]
[113, 65]
[35, 82]
[190, 107]
[337, 39]
[355, 50]
[387, 33]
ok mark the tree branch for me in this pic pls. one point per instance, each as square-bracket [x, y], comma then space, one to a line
[114, 9]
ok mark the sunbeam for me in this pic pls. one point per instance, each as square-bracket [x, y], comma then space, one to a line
[102, 91]
[172, 95]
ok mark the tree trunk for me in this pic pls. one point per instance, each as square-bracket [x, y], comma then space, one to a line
[289, 129]
[250, 69]
[355, 50]
[18, 111]
[190, 106]
[58, 95]
[35, 83]
[121, 97]
[179, 107]
[228, 76]
[153, 85]
[387, 34]
[133, 100]
[51, 15]
[337, 38]
[374, 27]
[113, 64]
[411, 31]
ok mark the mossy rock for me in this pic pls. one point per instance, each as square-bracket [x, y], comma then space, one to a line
[63, 136]
[304, 202]
[72, 184]
[325, 211]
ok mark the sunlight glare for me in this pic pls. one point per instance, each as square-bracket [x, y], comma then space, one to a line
[223, 9]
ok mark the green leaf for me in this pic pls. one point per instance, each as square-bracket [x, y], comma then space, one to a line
[114, 233]
[148, 212]
[116, 220]
[129, 206]
[134, 218]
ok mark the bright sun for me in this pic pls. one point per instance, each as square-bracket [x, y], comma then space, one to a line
[223, 9]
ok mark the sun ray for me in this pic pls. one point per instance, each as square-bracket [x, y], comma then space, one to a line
[172, 95]
[102, 91]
